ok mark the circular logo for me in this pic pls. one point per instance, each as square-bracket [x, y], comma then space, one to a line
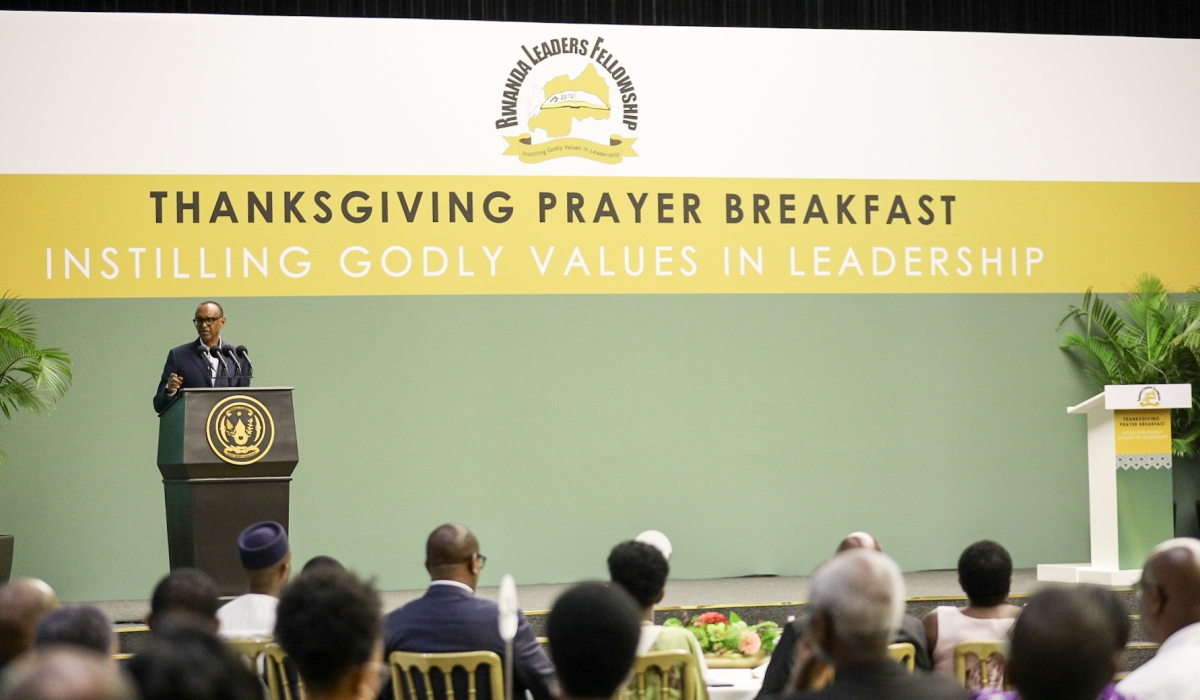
[240, 430]
[569, 96]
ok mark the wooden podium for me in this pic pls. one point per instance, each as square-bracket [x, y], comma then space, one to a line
[226, 457]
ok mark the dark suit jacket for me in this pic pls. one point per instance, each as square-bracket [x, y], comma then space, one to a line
[186, 361]
[784, 656]
[448, 619]
[885, 680]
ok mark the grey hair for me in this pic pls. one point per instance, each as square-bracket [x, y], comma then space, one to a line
[862, 591]
[1191, 544]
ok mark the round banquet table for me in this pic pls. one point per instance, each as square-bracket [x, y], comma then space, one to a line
[733, 683]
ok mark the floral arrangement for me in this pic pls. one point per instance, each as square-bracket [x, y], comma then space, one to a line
[730, 637]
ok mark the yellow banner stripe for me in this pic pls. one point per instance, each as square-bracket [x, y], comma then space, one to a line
[173, 235]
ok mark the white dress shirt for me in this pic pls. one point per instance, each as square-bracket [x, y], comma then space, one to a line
[444, 582]
[247, 616]
[648, 636]
[212, 362]
[1173, 673]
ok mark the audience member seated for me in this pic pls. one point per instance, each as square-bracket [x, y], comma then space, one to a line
[328, 622]
[188, 592]
[80, 625]
[593, 630]
[321, 562]
[856, 602]
[641, 570]
[449, 618]
[985, 575]
[263, 548]
[1170, 591]
[65, 673]
[1119, 625]
[23, 602]
[1064, 646]
[782, 665]
[189, 662]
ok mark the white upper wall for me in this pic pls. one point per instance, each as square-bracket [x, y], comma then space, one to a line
[191, 94]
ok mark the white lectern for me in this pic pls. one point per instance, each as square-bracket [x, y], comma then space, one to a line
[1129, 481]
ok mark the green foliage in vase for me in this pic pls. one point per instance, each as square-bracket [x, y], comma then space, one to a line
[724, 636]
[1150, 338]
[31, 378]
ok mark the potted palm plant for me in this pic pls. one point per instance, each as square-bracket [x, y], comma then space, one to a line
[1154, 340]
[31, 379]
[1149, 338]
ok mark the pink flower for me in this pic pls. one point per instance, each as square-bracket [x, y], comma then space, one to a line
[749, 643]
[711, 618]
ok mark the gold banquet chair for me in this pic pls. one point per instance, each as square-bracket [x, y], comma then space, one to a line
[270, 662]
[971, 656]
[654, 671]
[406, 664]
[903, 653]
[250, 647]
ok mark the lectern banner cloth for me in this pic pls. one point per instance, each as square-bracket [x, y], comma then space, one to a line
[1143, 438]
[1145, 500]
[1145, 494]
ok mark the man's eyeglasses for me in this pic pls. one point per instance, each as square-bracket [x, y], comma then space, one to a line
[205, 321]
[482, 560]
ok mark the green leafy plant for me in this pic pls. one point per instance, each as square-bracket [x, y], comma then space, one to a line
[31, 378]
[1149, 339]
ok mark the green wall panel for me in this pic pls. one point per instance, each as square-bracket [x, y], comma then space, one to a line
[755, 430]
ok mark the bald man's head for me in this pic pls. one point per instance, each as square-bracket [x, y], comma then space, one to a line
[452, 553]
[859, 540]
[23, 602]
[857, 603]
[1170, 588]
[64, 673]
[29, 593]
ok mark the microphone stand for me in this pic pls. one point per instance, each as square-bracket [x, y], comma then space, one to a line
[245, 353]
[232, 354]
[508, 669]
[507, 602]
[221, 364]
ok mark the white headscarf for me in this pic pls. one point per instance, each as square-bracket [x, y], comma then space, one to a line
[656, 539]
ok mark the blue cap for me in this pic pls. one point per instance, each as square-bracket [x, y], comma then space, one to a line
[262, 545]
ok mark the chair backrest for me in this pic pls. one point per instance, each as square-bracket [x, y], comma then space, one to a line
[660, 666]
[279, 684]
[979, 665]
[250, 647]
[270, 663]
[405, 664]
[904, 653]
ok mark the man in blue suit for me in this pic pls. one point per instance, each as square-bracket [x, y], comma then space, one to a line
[449, 618]
[191, 366]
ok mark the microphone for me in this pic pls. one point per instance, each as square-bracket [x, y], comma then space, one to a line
[228, 351]
[203, 350]
[216, 352]
[241, 350]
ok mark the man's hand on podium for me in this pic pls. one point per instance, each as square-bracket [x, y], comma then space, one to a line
[174, 383]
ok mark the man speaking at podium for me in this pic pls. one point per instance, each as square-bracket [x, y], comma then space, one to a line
[195, 365]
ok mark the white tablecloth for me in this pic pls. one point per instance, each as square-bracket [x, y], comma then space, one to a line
[733, 683]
